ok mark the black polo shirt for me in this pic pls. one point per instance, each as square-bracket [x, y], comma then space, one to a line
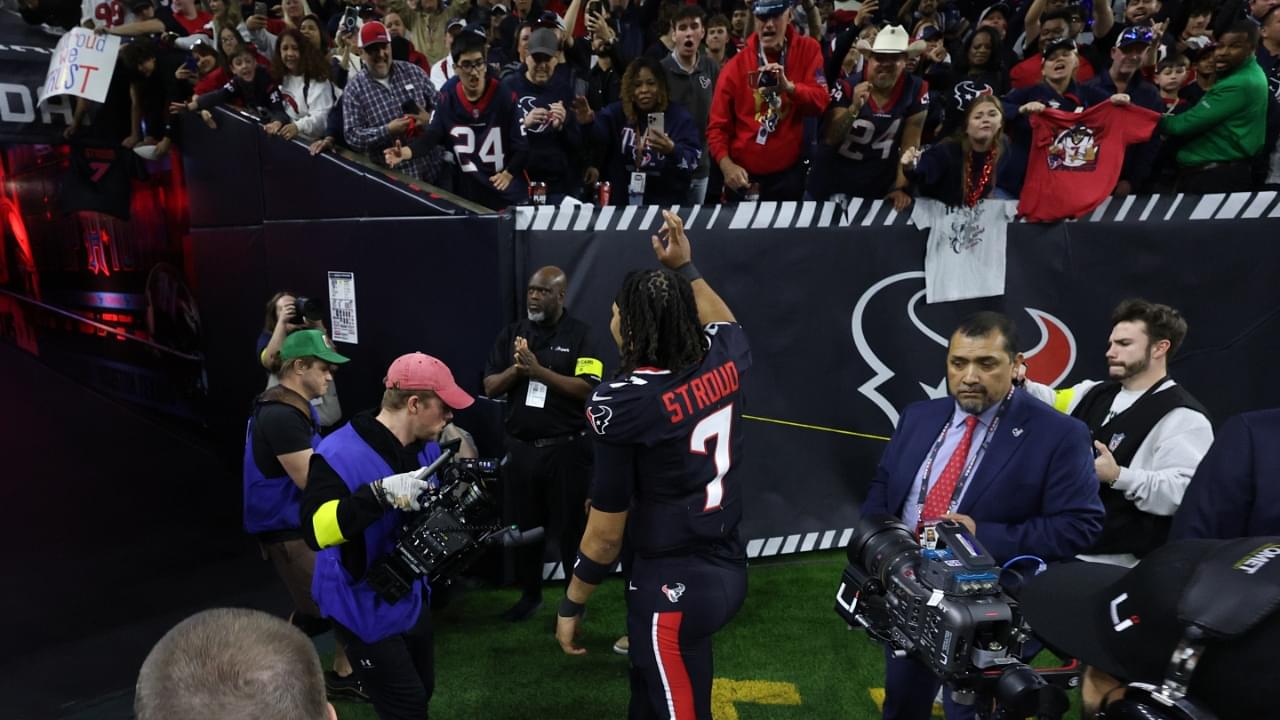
[563, 348]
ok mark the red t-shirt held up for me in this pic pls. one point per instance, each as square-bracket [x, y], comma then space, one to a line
[1076, 158]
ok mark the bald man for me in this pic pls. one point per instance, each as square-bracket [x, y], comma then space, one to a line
[543, 365]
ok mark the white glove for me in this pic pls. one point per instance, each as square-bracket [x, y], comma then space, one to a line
[402, 490]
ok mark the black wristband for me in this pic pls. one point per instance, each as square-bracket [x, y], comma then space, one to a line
[589, 571]
[688, 272]
[569, 608]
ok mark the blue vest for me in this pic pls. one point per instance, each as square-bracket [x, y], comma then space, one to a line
[354, 604]
[271, 503]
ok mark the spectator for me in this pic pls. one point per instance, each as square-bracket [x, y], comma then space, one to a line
[485, 140]
[543, 98]
[1226, 129]
[1124, 77]
[429, 25]
[1103, 21]
[249, 87]
[756, 129]
[387, 99]
[116, 121]
[230, 663]
[1149, 433]
[225, 14]
[1199, 15]
[997, 17]
[209, 73]
[1200, 55]
[402, 48]
[313, 30]
[961, 170]
[690, 82]
[1171, 76]
[1269, 48]
[870, 125]
[1055, 26]
[979, 72]
[604, 79]
[719, 49]
[1233, 492]
[230, 42]
[303, 78]
[182, 18]
[443, 70]
[1056, 90]
[653, 165]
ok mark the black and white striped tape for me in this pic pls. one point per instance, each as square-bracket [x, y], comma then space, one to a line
[762, 547]
[863, 212]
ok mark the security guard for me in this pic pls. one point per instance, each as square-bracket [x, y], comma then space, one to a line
[545, 368]
[361, 480]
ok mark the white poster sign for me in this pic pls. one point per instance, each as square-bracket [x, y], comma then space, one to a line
[82, 65]
[342, 307]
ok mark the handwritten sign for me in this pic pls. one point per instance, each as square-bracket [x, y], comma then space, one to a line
[82, 65]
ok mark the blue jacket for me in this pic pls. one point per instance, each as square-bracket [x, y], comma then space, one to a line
[1034, 493]
[1236, 489]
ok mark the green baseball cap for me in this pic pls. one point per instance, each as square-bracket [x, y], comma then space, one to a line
[310, 343]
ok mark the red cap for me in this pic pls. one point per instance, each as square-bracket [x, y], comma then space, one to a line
[372, 33]
[417, 371]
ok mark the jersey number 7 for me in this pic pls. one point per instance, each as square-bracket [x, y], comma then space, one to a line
[715, 427]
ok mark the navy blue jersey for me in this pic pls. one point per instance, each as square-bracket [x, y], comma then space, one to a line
[865, 164]
[483, 135]
[668, 446]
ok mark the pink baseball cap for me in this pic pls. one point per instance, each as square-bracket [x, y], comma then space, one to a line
[372, 33]
[418, 371]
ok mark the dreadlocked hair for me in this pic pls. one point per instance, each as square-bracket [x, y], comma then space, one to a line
[658, 321]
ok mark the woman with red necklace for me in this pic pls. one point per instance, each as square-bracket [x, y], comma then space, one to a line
[961, 170]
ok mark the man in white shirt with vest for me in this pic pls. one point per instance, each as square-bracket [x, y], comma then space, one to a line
[1149, 433]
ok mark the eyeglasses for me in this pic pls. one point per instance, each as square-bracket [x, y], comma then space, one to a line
[471, 66]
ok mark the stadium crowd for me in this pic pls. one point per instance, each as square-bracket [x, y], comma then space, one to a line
[631, 101]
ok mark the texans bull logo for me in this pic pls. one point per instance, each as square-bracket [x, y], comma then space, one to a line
[883, 308]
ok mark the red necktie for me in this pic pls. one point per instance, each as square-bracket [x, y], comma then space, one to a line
[939, 498]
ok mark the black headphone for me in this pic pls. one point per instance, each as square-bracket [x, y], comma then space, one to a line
[1167, 701]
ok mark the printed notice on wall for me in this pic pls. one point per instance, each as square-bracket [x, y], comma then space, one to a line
[342, 307]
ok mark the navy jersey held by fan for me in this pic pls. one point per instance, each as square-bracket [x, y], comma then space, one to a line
[668, 446]
[866, 163]
[483, 135]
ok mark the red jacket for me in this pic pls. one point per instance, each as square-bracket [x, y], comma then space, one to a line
[732, 127]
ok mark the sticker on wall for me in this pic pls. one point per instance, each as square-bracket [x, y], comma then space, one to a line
[342, 307]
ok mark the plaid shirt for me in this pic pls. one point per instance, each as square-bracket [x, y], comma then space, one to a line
[368, 105]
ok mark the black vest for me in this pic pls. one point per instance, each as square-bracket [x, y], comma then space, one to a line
[1127, 529]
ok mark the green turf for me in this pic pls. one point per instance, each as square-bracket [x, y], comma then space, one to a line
[786, 633]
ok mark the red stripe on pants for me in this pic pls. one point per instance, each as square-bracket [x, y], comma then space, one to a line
[671, 665]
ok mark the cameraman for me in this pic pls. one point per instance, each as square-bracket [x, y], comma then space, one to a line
[990, 458]
[1124, 625]
[362, 480]
[285, 314]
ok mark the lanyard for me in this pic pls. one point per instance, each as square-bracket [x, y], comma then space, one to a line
[769, 115]
[972, 462]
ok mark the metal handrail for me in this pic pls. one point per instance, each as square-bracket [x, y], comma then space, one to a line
[114, 331]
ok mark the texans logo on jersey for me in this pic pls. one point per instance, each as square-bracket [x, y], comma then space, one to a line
[966, 91]
[599, 417]
[527, 104]
[673, 592]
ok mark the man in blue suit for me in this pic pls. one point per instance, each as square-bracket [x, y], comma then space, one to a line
[1236, 489]
[1017, 474]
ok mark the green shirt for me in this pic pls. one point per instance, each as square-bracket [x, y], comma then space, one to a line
[1228, 123]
